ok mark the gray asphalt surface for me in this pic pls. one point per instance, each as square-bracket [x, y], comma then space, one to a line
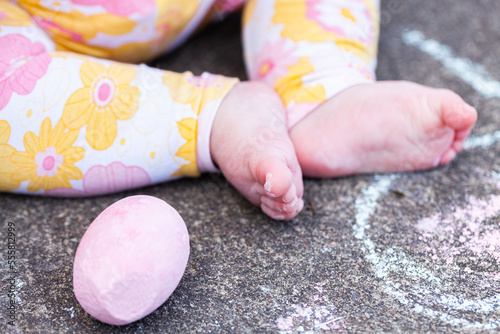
[414, 252]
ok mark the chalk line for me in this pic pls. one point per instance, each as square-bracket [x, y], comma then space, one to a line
[393, 262]
[423, 281]
[483, 141]
[473, 74]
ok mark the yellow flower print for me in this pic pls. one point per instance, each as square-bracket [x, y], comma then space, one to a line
[171, 20]
[106, 97]
[49, 159]
[11, 15]
[65, 24]
[7, 168]
[173, 16]
[30, 113]
[63, 6]
[197, 91]
[187, 129]
[152, 155]
[124, 142]
[291, 87]
[351, 24]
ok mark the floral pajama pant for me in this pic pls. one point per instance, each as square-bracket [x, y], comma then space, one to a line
[77, 118]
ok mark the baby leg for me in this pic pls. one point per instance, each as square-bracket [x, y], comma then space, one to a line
[320, 57]
[73, 125]
[251, 145]
[77, 125]
[124, 30]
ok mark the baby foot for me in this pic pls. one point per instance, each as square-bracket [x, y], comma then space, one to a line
[383, 127]
[251, 146]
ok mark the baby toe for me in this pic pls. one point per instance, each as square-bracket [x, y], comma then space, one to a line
[458, 145]
[275, 176]
[290, 195]
[448, 157]
[463, 134]
[456, 113]
[282, 211]
[272, 213]
[280, 206]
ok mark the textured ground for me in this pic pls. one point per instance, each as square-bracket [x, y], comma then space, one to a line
[393, 253]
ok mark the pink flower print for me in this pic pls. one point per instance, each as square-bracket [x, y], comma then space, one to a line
[49, 26]
[346, 18]
[112, 178]
[22, 63]
[121, 7]
[48, 162]
[273, 61]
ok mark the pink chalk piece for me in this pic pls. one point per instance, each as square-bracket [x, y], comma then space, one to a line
[130, 259]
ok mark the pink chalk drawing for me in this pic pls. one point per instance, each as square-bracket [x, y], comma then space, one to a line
[465, 230]
[317, 314]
